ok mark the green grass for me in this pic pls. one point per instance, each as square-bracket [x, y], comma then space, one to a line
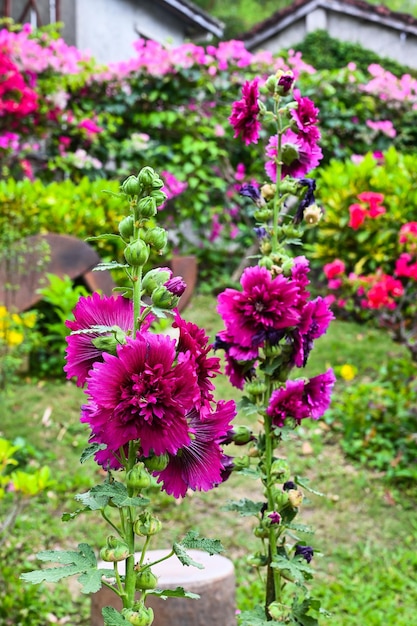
[365, 531]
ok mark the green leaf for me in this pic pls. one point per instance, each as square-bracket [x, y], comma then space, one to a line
[245, 507]
[112, 617]
[247, 407]
[99, 496]
[298, 569]
[184, 557]
[103, 236]
[68, 517]
[193, 540]
[111, 265]
[90, 451]
[82, 562]
[256, 617]
[300, 528]
[179, 592]
[300, 610]
[303, 482]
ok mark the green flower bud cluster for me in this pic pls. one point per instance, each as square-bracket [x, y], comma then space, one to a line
[139, 615]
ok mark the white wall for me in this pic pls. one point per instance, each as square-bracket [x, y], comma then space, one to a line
[106, 28]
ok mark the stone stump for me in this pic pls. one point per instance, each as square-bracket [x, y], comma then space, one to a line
[215, 585]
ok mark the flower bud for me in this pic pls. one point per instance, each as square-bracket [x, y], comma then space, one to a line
[115, 550]
[312, 214]
[241, 462]
[270, 84]
[295, 497]
[159, 196]
[289, 153]
[157, 183]
[137, 253]
[126, 227]
[164, 299]
[261, 532]
[139, 616]
[268, 191]
[146, 176]
[146, 207]
[242, 435]
[176, 285]
[145, 580]
[131, 186]
[284, 82]
[255, 389]
[156, 237]
[155, 278]
[157, 463]
[257, 560]
[280, 470]
[138, 477]
[263, 215]
[267, 262]
[147, 525]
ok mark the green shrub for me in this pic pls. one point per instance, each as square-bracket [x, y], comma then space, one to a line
[326, 53]
[378, 421]
[375, 244]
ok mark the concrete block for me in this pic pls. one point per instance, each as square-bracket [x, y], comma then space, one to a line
[215, 584]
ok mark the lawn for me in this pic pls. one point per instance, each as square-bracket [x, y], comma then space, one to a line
[365, 529]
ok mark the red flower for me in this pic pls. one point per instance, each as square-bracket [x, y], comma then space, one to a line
[333, 269]
[357, 216]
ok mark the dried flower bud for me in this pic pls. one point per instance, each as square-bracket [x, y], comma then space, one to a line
[312, 214]
[295, 497]
[268, 191]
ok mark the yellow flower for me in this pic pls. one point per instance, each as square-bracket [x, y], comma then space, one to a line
[348, 372]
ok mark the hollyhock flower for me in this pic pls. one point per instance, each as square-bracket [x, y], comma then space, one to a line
[298, 155]
[333, 269]
[299, 271]
[239, 361]
[315, 319]
[306, 552]
[199, 465]
[193, 342]
[265, 304]
[357, 216]
[141, 394]
[275, 517]
[306, 117]
[318, 393]
[90, 312]
[244, 117]
[286, 402]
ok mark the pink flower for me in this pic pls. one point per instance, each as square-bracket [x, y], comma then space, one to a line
[92, 311]
[404, 266]
[288, 401]
[306, 118]
[333, 269]
[318, 393]
[143, 395]
[90, 127]
[244, 117]
[264, 306]
[357, 216]
[199, 465]
[373, 199]
[299, 156]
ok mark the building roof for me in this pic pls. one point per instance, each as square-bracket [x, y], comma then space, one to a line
[193, 14]
[300, 8]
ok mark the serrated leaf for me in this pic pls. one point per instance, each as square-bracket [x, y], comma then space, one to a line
[193, 540]
[256, 617]
[299, 570]
[179, 592]
[303, 482]
[247, 407]
[244, 507]
[300, 610]
[99, 496]
[97, 328]
[112, 617]
[184, 557]
[250, 472]
[90, 451]
[82, 562]
[301, 528]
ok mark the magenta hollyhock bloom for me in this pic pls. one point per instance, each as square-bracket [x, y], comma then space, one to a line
[306, 156]
[141, 394]
[90, 311]
[315, 319]
[244, 117]
[193, 341]
[288, 401]
[318, 393]
[265, 305]
[306, 117]
[199, 465]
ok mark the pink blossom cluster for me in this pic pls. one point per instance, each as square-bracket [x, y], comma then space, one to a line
[151, 389]
[16, 98]
[384, 126]
[370, 207]
[390, 88]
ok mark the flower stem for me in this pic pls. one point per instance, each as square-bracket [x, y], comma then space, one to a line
[274, 240]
